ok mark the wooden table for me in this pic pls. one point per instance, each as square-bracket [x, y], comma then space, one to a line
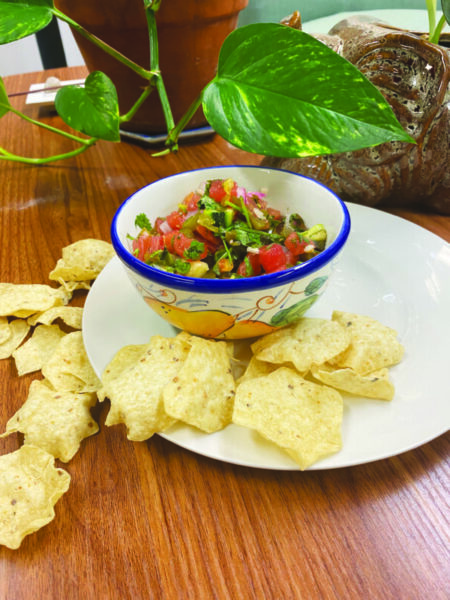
[151, 520]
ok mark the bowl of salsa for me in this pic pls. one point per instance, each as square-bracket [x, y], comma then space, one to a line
[231, 252]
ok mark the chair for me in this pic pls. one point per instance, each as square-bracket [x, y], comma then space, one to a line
[50, 46]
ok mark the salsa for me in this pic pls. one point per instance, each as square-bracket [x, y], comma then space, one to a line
[225, 231]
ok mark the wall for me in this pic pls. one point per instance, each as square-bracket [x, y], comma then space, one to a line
[23, 56]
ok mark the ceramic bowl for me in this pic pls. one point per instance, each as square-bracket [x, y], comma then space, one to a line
[244, 307]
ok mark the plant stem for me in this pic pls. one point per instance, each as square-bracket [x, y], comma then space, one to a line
[5, 155]
[70, 136]
[435, 36]
[103, 46]
[175, 132]
[431, 8]
[150, 12]
[136, 106]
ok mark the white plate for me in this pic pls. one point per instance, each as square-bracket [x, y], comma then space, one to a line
[391, 270]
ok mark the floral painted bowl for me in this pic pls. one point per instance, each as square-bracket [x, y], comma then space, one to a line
[242, 307]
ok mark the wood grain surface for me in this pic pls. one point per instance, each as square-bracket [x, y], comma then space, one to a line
[151, 520]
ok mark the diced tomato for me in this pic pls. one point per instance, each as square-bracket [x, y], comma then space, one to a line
[169, 240]
[250, 266]
[274, 213]
[295, 244]
[184, 246]
[273, 258]
[208, 236]
[147, 244]
[175, 219]
[180, 243]
[216, 190]
[191, 201]
[291, 259]
[220, 189]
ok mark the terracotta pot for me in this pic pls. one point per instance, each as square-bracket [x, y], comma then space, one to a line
[414, 76]
[190, 34]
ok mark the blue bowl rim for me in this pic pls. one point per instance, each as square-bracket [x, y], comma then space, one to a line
[220, 286]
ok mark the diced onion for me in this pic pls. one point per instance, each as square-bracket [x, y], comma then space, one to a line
[165, 227]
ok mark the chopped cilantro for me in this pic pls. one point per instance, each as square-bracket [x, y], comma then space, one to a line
[181, 266]
[195, 250]
[207, 203]
[142, 221]
[253, 237]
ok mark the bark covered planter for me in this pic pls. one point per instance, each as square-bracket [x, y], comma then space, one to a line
[414, 76]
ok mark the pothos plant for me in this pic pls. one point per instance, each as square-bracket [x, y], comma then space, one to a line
[278, 91]
[435, 26]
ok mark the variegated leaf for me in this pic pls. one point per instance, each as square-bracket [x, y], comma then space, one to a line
[19, 18]
[93, 110]
[281, 92]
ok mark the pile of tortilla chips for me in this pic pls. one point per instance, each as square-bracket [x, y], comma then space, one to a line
[290, 392]
[288, 389]
[185, 378]
[43, 335]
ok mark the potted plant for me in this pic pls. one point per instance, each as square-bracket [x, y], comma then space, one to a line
[412, 69]
[277, 91]
[190, 34]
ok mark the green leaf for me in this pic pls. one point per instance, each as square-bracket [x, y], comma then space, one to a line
[293, 313]
[280, 92]
[446, 9]
[4, 100]
[314, 286]
[93, 110]
[19, 18]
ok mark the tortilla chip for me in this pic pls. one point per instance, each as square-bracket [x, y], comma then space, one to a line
[23, 300]
[70, 315]
[136, 392]
[372, 385]
[30, 486]
[69, 369]
[309, 341]
[18, 329]
[202, 393]
[82, 261]
[301, 417]
[126, 357]
[257, 368]
[373, 345]
[5, 331]
[71, 286]
[55, 421]
[36, 351]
